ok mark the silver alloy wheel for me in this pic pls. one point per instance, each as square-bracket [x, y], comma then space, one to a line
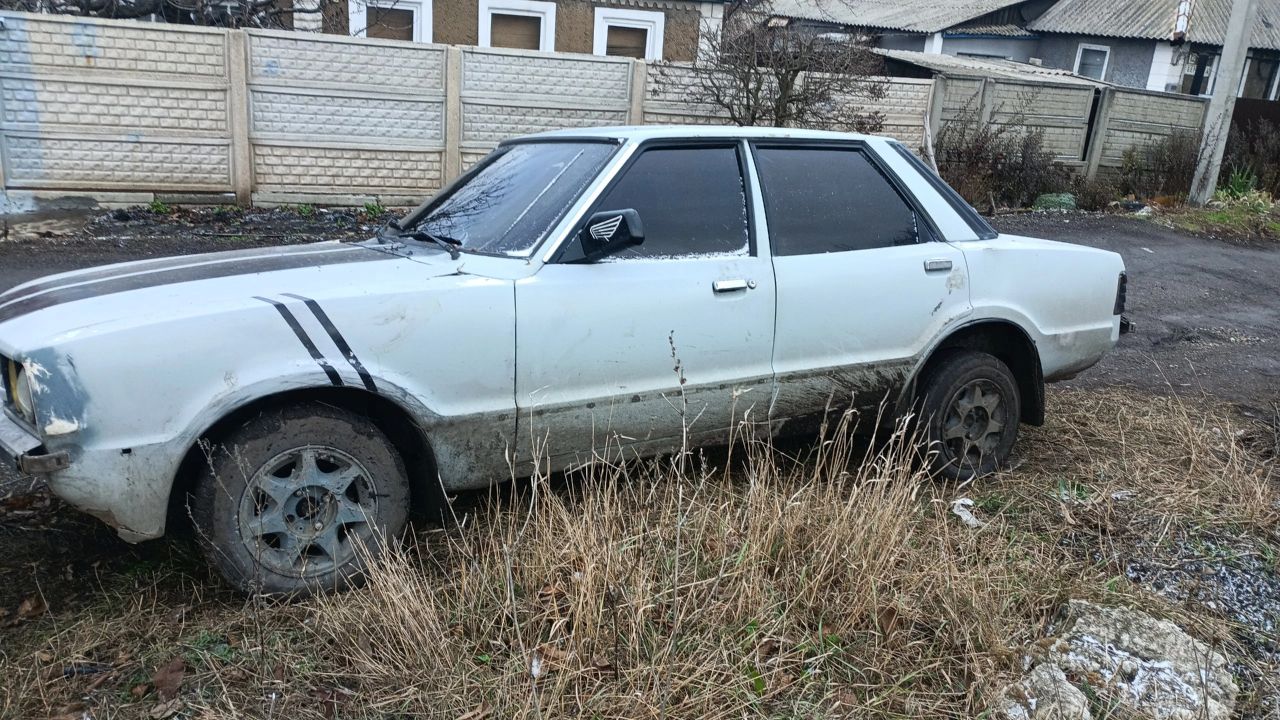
[974, 421]
[305, 511]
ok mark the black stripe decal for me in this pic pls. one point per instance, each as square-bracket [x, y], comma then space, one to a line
[349, 254]
[304, 339]
[338, 340]
[138, 267]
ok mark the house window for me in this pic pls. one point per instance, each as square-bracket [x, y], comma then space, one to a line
[1198, 74]
[523, 24]
[1259, 77]
[1092, 60]
[390, 19]
[629, 33]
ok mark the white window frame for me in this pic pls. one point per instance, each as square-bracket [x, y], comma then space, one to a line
[653, 23]
[545, 11]
[358, 16]
[1106, 61]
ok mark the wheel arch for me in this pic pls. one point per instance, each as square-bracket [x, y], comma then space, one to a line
[396, 421]
[1005, 340]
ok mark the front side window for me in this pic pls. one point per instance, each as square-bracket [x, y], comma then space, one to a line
[691, 202]
[515, 197]
[825, 200]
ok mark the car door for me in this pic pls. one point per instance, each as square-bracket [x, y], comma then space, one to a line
[863, 282]
[663, 340]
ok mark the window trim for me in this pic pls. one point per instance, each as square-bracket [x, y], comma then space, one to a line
[556, 255]
[1106, 60]
[358, 16]
[652, 22]
[541, 9]
[929, 231]
[967, 213]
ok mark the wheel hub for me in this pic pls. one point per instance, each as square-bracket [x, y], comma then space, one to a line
[305, 511]
[974, 422]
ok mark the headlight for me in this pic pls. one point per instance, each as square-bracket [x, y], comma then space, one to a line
[22, 396]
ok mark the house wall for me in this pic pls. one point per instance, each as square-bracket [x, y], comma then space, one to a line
[1012, 48]
[1129, 64]
[457, 22]
[902, 41]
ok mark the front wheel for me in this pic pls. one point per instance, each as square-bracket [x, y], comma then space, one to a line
[969, 412]
[298, 499]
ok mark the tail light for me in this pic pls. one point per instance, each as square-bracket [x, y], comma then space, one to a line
[1122, 289]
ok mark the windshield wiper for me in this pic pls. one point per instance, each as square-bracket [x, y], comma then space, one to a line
[450, 245]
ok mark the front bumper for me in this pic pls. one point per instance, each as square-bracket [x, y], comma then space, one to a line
[21, 448]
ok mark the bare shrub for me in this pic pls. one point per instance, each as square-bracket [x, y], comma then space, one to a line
[1002, 163]
[1164, 167]
[757, 73]
[1255, 149]
[1094, 195]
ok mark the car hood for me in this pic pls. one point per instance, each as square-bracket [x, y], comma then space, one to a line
[43, 312]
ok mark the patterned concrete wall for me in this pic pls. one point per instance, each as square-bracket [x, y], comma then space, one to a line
[100, 105]
[119, 110]
[1061, 111]
[671, 99]
[1137, 118]
[506, 93]
[344, 116]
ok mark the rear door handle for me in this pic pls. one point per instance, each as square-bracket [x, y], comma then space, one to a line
[727, 286]
[937, 265]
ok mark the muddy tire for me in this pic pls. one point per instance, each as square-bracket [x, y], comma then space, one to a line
[969, 412]
[298, 499]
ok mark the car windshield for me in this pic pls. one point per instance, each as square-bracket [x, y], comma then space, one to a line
[514, 199]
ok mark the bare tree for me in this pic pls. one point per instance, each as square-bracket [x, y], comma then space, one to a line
[221, 13]
[763, 70]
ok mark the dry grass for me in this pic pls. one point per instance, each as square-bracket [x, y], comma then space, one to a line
[829, 585]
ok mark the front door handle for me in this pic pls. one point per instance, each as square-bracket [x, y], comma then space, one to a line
[727, 286]
[937, 265]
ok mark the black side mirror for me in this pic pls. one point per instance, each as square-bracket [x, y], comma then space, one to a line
[609, 232]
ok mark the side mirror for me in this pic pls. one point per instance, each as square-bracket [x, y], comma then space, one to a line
[609, 232]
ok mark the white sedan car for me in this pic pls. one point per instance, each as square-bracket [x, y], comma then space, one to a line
[296, 401]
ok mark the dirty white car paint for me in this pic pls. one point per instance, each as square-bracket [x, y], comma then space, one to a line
[122, 370]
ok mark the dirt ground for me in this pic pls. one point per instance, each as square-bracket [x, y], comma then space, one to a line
[1207, 313]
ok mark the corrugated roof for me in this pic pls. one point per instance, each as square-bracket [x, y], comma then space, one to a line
[925, 16]
[991, 29]
[1153, 20]
[987, 67]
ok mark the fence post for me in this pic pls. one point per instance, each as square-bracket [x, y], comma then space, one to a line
[238, 108]
[639, 78]
[1099, 137]
[452, 113]
[933, 116]
[985, 107]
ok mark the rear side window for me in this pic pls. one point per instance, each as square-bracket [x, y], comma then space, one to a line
[691, 202]
[825, 200]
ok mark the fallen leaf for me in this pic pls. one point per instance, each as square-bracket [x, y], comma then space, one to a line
[32, 607]
[44, 656]
[478, 714]
[168, 679]
[165, 709]
[137, 691]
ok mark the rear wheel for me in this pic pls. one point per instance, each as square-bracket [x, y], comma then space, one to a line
[969, 412]
[298, 499]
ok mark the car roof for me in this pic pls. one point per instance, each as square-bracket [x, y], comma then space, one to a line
[657, 132]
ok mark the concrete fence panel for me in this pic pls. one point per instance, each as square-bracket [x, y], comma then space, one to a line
[344, 116]
[506, 93]
[113, 106]
[1137, 118]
